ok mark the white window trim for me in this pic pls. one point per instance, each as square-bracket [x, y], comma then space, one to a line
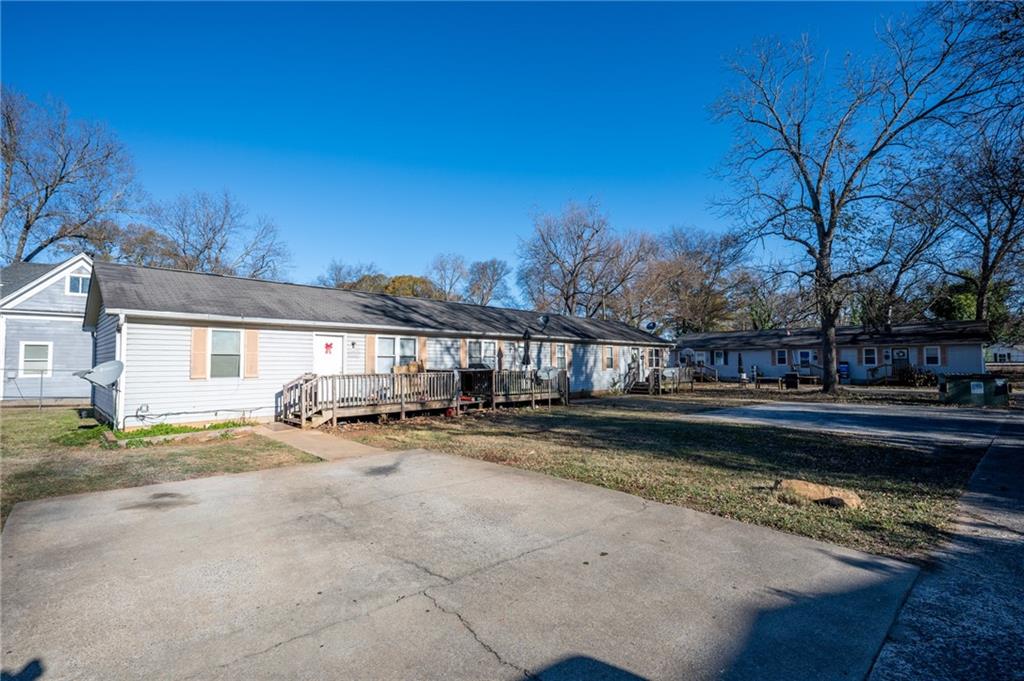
[785, 357]
[608, 358]
[209, 355]
[397, 352]
[21, 359]
[715, 357]
[864, 355]
[564, 359]
[67, 283]
[938, 355]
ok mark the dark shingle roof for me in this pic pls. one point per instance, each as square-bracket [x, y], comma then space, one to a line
[150, 289]
[17, 275]
[910, 334]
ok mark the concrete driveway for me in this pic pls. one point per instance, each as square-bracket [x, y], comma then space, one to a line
[422, 565]
[912, 425]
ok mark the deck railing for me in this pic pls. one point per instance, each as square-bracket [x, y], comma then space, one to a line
[311, 394]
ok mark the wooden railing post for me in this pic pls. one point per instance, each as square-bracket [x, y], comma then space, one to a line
[494, 378]
[402, 385]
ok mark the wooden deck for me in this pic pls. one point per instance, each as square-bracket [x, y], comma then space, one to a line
[312, 400]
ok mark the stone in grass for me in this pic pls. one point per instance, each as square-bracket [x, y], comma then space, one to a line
[802, 492]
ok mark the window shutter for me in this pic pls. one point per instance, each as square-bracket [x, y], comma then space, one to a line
[615, 357]
[775, 357]
[463, 353]
[568, 357]
[421, 351]
[371, 353]
[252, 353]
[860, 356]
[943, 355]
[725, 358]
[552, 354]
[197, 370]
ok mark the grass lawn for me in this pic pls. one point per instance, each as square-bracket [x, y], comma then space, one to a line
[46, 453]
[638, 446]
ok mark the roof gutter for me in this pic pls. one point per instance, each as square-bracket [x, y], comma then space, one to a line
[265, 321]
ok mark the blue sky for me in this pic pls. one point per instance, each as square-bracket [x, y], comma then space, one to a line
[391, 132]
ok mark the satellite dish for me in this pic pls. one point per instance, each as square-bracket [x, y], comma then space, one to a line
[543, 319]
[651, 326]
[547, 373]
[104, 375]
[670, 372]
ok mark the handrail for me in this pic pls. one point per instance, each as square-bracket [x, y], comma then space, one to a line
[309, 394]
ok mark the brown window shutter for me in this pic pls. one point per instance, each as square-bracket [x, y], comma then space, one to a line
[568, 357]
[860, 356]
[775, 357]
[553, 360]
[421, 350]
[197, 370]
[371, 353]
[463, 353]
[615, 357]
[252, 353]
[943, 355]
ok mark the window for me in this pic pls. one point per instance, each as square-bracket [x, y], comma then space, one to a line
[719, 358]
[932, 357]
[225, 354]
[483, 352]
[78, 284]
[609, 357]
[780, 357]
[560, 356]
[870, 357]
[700, 358]
[35, 359]
[1002, 357]
[393, 352]
[804, 357]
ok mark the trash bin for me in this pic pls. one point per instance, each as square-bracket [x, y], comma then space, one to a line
[984, 390]
[791, 380]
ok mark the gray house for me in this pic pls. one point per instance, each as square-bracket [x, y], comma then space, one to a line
[202, 347]
[869, 355]
[42, 342]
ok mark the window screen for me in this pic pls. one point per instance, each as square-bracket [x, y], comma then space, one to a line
[475, 352]
[406, 351]
[609, 357]
[36, 360]
[226, 354]
[385, 355]
[78, 283]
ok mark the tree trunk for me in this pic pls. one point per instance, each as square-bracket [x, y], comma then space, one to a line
[830, 373]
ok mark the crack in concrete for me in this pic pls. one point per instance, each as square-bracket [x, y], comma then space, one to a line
[468, 627]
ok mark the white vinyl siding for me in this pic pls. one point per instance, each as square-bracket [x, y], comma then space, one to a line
[158, 388]
[442, 353]
[105, 350]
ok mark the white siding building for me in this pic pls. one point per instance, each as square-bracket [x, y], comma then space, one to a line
[42, 342]
[864, 355]
[199, 347]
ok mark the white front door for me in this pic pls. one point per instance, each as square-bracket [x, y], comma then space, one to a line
[328, 354]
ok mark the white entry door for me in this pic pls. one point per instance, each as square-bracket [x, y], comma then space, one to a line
[328, 354]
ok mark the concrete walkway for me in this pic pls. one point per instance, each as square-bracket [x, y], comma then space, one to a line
[415, 565]
[964, 618]
[321, 445]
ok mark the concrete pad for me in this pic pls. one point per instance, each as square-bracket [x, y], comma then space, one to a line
[422, 565]
[964, 618]
[321, 445]
[911, 425]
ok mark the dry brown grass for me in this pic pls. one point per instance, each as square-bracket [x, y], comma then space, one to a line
[639, 446]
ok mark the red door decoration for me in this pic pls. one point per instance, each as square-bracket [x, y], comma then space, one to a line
[328, 347]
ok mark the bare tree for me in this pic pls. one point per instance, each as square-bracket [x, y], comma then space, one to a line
[984, 197]
[64, 181]
[208, 233]
[701, 273]
[575, 264]
[488, 282]
[815, 153]
[447, 272]
[340, 275]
